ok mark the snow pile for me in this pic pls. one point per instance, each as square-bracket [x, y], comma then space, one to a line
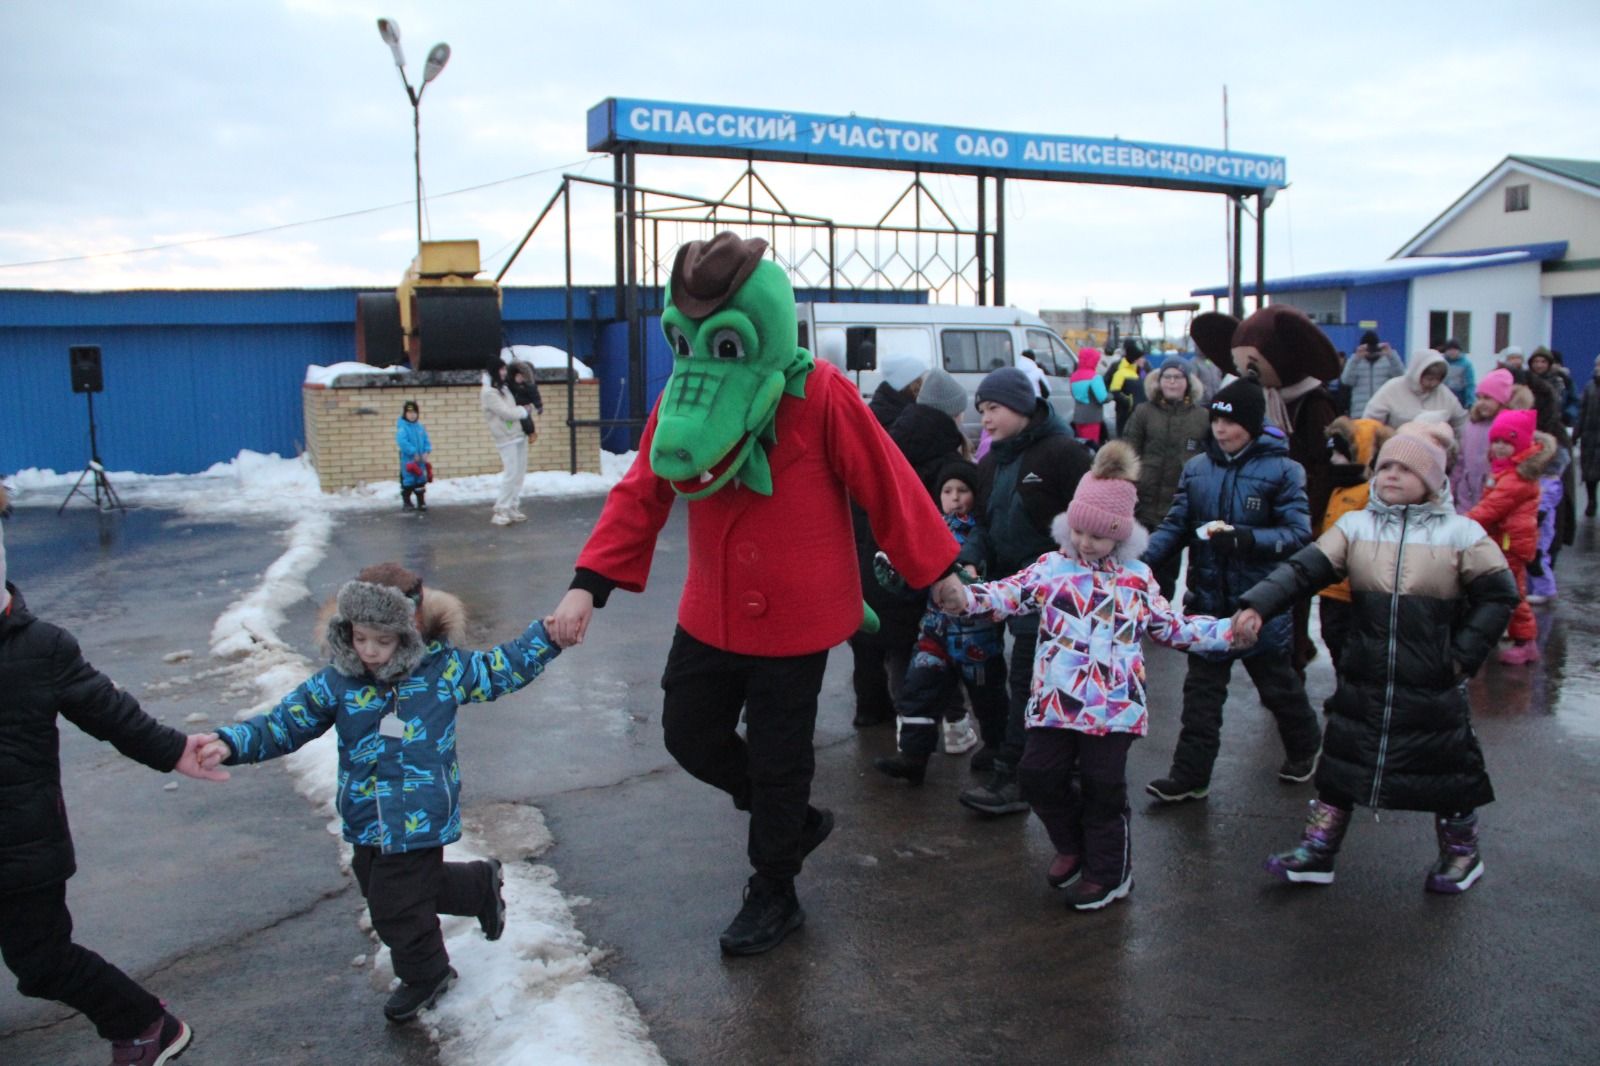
[253, 483]
[545, 357]
[324, 375]
[533, 996]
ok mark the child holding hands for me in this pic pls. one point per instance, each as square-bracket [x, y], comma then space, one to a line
[1095, 601]
[392, 700]
[1430, 594]
[43, 675]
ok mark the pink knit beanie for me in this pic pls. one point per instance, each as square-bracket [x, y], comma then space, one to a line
[1514, 428]
[1104, 502]
[1420, 456]
[1497, 386]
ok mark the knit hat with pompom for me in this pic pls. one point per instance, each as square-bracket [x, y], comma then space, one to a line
[1105, 500]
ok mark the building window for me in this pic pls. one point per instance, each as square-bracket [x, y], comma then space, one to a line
[1502, 331]
[1438, 329]
[1516, 197]
[1461, 329]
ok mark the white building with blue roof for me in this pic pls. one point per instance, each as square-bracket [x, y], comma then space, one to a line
[1514, 261]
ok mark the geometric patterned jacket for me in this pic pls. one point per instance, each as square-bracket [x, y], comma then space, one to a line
[399, 783]
[1088, 671]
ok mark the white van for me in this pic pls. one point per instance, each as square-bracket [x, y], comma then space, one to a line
[968, 342]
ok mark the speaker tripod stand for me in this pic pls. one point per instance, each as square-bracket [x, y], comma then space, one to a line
[105, 497]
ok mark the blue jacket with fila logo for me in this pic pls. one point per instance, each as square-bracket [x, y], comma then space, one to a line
[400, 783]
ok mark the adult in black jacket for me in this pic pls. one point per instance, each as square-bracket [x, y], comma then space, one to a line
[929, 436]
[42, 674]
[1027, 478]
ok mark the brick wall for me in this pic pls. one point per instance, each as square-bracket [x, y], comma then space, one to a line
[350, 431]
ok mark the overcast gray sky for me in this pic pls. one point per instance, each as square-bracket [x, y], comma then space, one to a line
[138, 123]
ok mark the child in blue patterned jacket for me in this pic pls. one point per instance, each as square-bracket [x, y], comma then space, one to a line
[1095, 601]
[392, 701]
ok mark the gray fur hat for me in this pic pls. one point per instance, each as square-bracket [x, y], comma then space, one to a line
[381, 607]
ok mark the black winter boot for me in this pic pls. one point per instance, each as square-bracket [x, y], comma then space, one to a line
[422, 499]
[411, 999]
[1001, 794]
[405, 499]
[908, 768]
[492, 919]
[771, 912]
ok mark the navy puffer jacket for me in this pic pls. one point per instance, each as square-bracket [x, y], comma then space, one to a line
[1260, 489]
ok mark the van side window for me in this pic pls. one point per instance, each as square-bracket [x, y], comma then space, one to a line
[976, 351]
[1043, 354]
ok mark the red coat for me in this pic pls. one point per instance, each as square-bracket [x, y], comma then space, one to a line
[1509, 510]
[776, 575]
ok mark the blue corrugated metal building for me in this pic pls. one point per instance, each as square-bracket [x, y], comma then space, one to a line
[193, 377]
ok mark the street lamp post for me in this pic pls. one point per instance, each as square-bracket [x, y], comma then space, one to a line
[438, 56]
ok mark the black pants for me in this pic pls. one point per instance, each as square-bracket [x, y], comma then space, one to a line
[931, 682]
[879, 664]
[406, 893]
[1019, 679]
[1205, 690]
[421, 493]
[1078, 786]
[768, 771]
[36, 941]
[1591, 486]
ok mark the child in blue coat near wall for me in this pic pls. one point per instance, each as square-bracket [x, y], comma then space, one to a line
[392, 701]
[416, 454]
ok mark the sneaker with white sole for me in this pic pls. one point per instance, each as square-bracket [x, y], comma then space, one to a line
[1086, 895]
[1171, 790]
[500, 519]
[1298, 771]
[166, 1039]
[518, 516]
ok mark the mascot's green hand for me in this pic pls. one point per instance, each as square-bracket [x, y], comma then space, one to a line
[869, 619]
[886, 574]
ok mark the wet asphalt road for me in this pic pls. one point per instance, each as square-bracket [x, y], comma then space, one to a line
[931, 935]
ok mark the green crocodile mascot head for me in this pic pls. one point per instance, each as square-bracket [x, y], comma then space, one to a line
[730, 321]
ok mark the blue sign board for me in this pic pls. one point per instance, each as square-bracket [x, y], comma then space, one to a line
[739, 132]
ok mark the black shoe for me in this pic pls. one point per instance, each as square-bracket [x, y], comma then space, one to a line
[1001, 794]
[819, 823]
[421, 506]
[492, 919]
[982, 761]
[1171, 790]
[771, 912]
[407, 505]
[1297, 771]
[409, 1000]
[908, 768]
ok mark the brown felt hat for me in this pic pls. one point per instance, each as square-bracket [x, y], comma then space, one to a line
[707, 273]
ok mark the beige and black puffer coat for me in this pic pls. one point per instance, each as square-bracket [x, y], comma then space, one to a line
[1165, 436]
[1431, 594]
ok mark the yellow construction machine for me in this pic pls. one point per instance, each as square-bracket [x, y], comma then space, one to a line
[441, 317]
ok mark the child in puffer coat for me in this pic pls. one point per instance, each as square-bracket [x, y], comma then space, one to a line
[1430, 596]
[1089, 396]
[416, 453]
[948, 652]
[1095, 602]
[1509, 513]
[392, 701]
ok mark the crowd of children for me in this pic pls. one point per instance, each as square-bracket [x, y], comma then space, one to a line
[1398, 732]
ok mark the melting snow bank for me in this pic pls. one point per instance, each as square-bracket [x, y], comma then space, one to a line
[253, 483]
[533, 996]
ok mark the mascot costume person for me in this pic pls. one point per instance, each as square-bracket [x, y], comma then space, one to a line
[1290, 358]
[768, 448]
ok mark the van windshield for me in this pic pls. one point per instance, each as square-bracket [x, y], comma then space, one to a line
[976, 351]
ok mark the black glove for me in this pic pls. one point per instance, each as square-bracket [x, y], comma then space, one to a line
[1535, 568]
[1229, 541]
[886, 574]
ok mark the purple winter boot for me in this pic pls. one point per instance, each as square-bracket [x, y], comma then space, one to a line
[1459, 865]
[1311, 861]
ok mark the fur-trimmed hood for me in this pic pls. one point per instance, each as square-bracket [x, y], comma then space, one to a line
[381, 607]
[1533, 461]
[1126, 551]
[1363, 437]
[442, 617]
[1152, 386]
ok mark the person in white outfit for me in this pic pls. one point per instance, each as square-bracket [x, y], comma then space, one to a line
[504, 418]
